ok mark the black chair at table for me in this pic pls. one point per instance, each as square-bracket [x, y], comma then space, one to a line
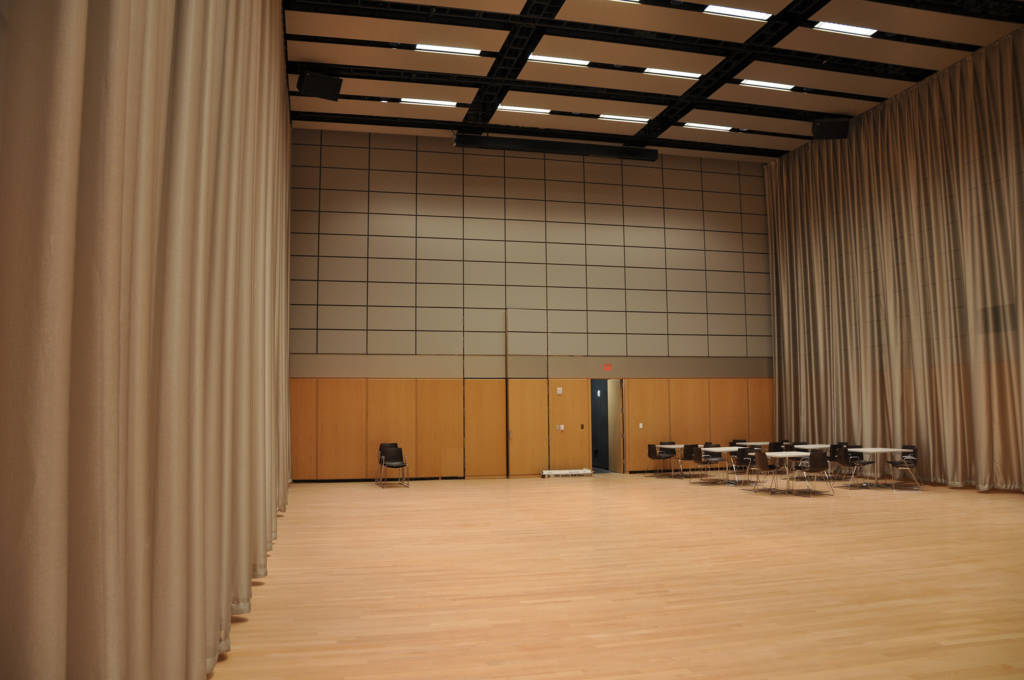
[391, 458]
[706, 459]
[853, 462]
[741, 460]
[833, 453]
[671, 453]
[775, 447]
[659, 455]
[762, 466]
[906, 463]
[691, 452]
[816, 463]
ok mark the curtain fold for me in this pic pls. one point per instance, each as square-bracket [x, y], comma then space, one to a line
[143, 350]
[897, 276]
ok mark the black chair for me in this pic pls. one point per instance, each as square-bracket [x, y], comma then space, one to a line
[816, 463]
[671, 453]
[392, 458]
[706, 459]
[774, 447]
[659, 455]
[741, 460]
[691, 452]
[906, 463]
[762, 466]
[850, 461]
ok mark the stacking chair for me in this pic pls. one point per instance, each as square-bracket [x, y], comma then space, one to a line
[391, 458]
[741, 460]
[851, 462]
[672, 454]
[762, 466]
[816, 463]
[906, 463]
[691, 452]
[706, 459]
[776, 446]
[659, 455]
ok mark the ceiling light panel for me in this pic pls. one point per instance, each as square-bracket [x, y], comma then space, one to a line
[660, 19]
[737, 13]
[384, 57]
[447, 49]
[561, 61]
[793, 100]
[832, 27]
[669, 73]
[390, 30]
[624, 119]
[766, 84]
[579, 105]
[708, 126]
[916, 22]
[376, 108]
[825, 80]
[524, 109]
[427, 102]
[886, 51]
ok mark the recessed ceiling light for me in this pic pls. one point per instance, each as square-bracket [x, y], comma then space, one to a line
[766, 84]
[844, 28]
[670, 73]
[448, 50]
[708, 126]
[623, 119]
[522, 109]
[632, 2]
[737, 13]
[565, 61]
[427, 102]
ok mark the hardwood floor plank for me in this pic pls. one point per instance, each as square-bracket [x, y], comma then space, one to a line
[635, 577]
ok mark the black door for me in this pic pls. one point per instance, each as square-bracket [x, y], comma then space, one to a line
[599, 423]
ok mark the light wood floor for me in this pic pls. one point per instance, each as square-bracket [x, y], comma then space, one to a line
[636, 577]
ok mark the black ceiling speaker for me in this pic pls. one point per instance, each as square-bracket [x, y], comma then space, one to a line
[319, 85]
[830, 128]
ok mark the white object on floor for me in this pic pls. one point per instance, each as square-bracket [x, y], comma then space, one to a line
[582, 472]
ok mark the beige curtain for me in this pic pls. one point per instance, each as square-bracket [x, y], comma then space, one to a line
[898, 275]
[143, 347]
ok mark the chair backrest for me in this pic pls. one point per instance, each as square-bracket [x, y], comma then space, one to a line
[817, 461]
[667, 453]
[392, 454]
[853, 454]
[710, 444]
[761, 458]
[383, 446]
[910, 457]
[666, 443]
[652, 451]
[734, 442]
[691, 452]
[843, 455]
[833, 450]
[742, 456]
[775, 446]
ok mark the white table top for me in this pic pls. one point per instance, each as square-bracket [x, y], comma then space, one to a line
[670, 446]
[721, 449]
[875, 449]
[787, 454]
[811, 447]
[754, 443]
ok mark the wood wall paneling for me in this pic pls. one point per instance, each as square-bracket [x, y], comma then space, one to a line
[728, 397]
[647, 403]
[341, 429]
[527, 426]
[690, 410]
[485, 428]
[439, 428]
[761, 405]
[572, 447]
[391, 417]
[302, 393]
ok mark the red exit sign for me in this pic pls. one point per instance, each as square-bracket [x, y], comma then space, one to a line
[607, 367]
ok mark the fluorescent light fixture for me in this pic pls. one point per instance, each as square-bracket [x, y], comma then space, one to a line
[670, 73]
[448, 50]
[426, 102]
[632, 2]
[623, 119]
[844, 28]
[522, 109]
[766, 84]
[708, 126]
[737, 13]
[565, 61]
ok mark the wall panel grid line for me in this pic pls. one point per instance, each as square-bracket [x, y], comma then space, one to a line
[402, 247]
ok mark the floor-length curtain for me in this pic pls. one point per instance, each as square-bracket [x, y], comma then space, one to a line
[898, 277]
[143, 345]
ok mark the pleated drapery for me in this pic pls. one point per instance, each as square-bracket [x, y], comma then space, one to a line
[898, 277]
[143, 350]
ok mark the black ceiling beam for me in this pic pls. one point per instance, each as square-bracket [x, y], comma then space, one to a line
[775, 29]
[491, 128]
[998, 10]
[432, 78]
[519, 44]
[401, 11]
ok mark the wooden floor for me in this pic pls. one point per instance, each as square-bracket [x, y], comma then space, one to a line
[636, 577]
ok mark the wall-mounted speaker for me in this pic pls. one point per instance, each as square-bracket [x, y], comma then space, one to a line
[319, 85]
[830, 128]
